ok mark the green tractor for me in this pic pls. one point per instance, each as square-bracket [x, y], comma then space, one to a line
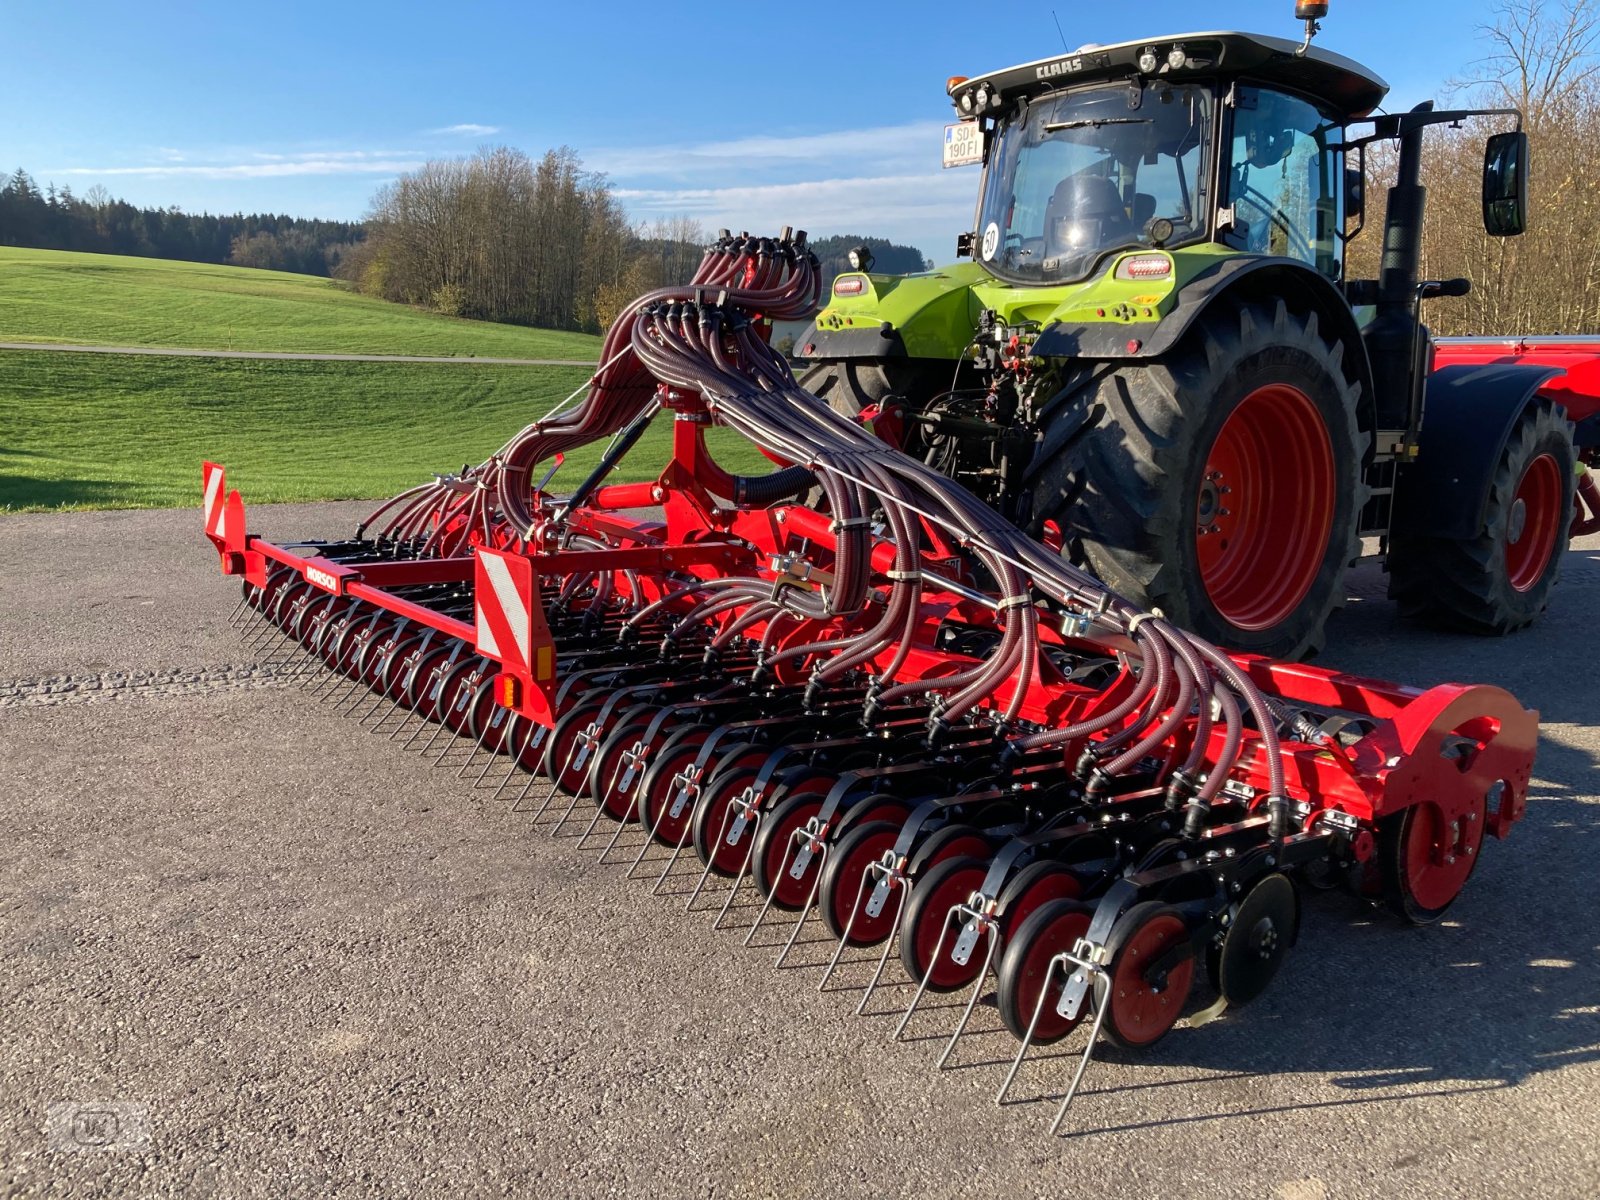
[1155, 356]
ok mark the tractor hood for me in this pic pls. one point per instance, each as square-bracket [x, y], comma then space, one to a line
[934, 315]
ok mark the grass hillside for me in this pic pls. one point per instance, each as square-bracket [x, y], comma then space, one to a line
[111, 300]
[112, 431]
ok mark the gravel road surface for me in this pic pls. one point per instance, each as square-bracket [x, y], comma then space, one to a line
[262, 952]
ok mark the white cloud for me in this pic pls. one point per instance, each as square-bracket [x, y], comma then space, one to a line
[468, 129]
[890, 147]
[925, 210]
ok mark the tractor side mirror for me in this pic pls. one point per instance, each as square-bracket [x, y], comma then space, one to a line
[1355, 195]
[1505, 185]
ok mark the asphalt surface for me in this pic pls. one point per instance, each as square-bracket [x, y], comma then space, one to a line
[182, 352]
[304, 962]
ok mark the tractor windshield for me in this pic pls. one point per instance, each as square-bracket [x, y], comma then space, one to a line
[1074, 176]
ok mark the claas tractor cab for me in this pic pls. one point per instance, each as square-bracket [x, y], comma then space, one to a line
[1153, 351]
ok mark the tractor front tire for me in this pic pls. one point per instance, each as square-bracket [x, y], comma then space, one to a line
[1499, 581]
[1222, 483]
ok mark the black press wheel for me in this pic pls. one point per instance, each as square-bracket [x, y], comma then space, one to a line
[1051, 929]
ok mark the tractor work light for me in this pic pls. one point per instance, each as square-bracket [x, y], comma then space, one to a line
[967, 102]
[861, 258]
[1176, 58]
[1148, 62]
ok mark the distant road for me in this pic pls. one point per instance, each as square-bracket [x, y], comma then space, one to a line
[177, 352]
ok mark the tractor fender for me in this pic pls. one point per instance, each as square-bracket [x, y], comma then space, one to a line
[1468, 413]
[1239, 277]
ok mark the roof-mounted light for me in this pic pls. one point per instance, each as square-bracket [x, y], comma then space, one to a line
[1176, 58]
[1148, 62]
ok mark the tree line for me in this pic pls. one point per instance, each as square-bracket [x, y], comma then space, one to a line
[51, 218]
[1544, 60]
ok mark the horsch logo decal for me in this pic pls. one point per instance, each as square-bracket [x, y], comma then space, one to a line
[323, 579]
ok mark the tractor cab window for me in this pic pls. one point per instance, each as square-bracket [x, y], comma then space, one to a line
[1074, 176]
[1285, 183]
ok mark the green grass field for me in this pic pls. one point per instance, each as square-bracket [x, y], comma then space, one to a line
[110, 300]
[112, 431]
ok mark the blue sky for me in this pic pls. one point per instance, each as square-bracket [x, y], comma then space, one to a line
[749, 115]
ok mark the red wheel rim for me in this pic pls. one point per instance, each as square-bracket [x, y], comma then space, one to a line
[619, 803]
[1140, 1013]
[1534, 522]
[726, 859]
[430, 673]
[1437, 854]
[566, 746]
[866, 930]
[934, 917]
[1266, 507]
[1057, 885]
[778, 861]
[1059, 936]
[666, 828]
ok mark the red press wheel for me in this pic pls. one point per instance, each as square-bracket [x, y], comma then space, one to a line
[489, 720]
[422, 692]
[775, 854]
[455, 698]
[660, 785]
[564, 747]
[610, 767]
[842, 883]
[1535, 522]
[1266, 507]
[1031, 888]
[953, 841]
[1144, 1006]
[1425, 858]
[927, 915]
[1051, 929]
[712, 819]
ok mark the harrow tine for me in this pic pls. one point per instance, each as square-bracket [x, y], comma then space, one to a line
[844, 938]
[927, 974]
[516, 761]
[972, 1000]
[738, 880]
[634, 810]
[1101, 1007]
[683, 840]
[1033, 1024]
[727, 816]
[238, 608]
[883, 958]
[505, 735]
[805, 910]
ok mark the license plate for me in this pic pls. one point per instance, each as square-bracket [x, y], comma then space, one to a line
[963, 144]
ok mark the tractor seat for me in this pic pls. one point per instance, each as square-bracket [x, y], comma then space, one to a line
[1085, 214]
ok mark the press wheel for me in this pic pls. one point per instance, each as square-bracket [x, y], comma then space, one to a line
[1144, 1007]
[1051, 929]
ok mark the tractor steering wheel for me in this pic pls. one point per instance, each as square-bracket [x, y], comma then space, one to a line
[1299, 245]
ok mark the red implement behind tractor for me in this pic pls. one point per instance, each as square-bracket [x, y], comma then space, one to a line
[857, 689]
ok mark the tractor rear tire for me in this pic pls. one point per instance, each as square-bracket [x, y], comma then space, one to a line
[851, 384]
[1499, 581]
[1222, 483]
